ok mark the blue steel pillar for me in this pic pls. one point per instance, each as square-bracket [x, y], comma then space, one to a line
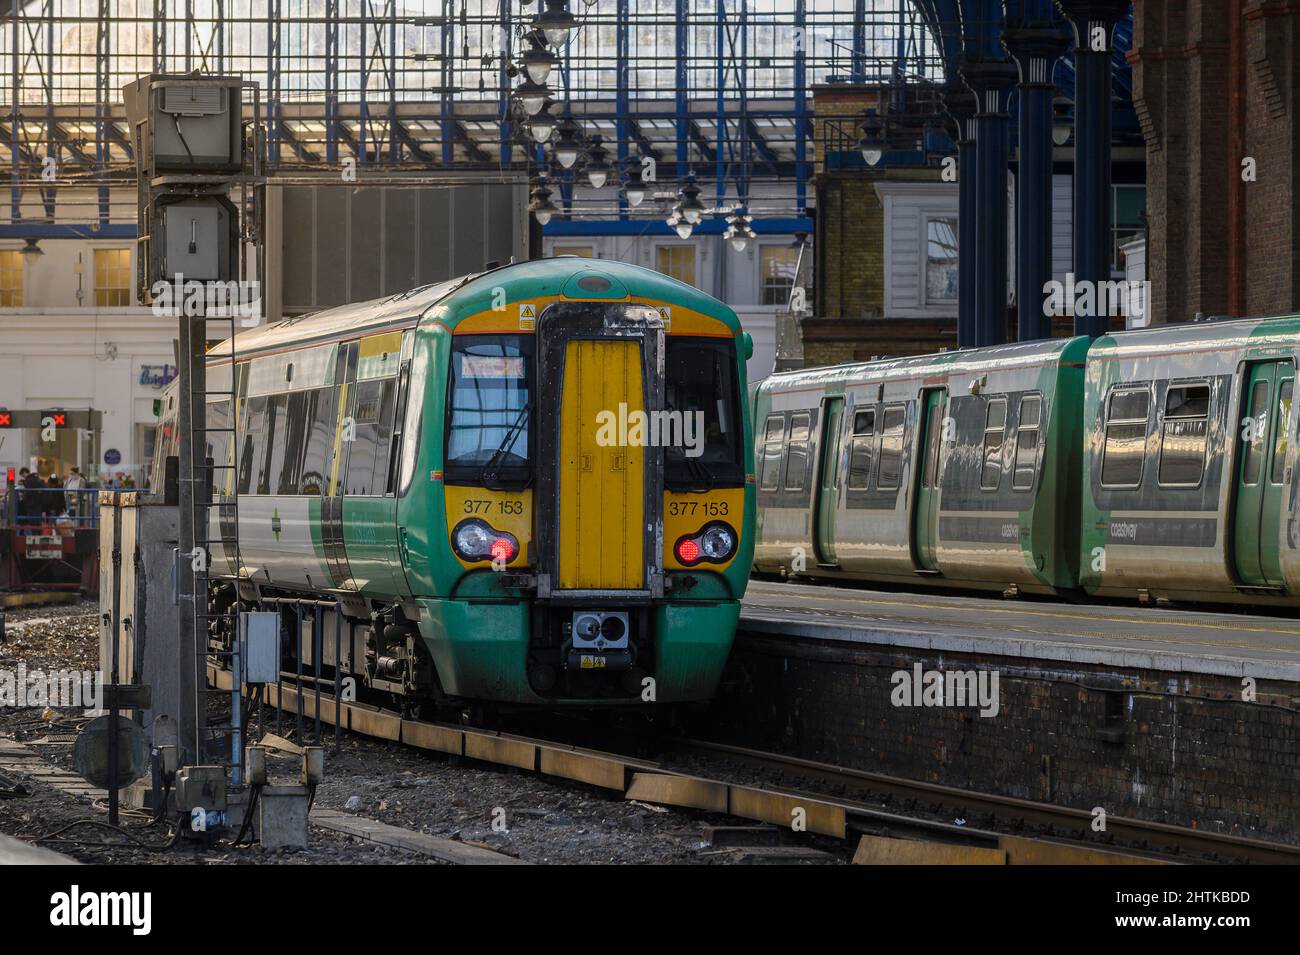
[1036, 41]
[960, 106]
[1093, 22]
[991, 81]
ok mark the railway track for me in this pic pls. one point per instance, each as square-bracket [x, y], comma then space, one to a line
[809, 796]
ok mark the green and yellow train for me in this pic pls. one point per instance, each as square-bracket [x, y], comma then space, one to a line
[531, 485]
[1153, 464]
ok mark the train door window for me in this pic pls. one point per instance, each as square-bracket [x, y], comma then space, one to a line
[373, 418]
[796, 452]
[277, 427]
[320, 423]
[864, 434]
[1278, 468]
[252, 444]
[1254, 448]
[770, 466]
[890, 471]
[995, 430]
[1027, 429]
[1184, 435]
[1126, 435]
[218, 443]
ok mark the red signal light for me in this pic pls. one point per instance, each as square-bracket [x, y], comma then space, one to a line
[9, 476]
[688, 552]
[6, 419]
[60, 420]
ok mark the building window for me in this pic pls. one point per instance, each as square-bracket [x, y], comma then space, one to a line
[11, 278]
[940, 259]
[777, 264]
[112, 277]
[582, 251]
[1127, 203]
[677, 261]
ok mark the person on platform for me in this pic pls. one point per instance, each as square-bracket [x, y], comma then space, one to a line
[53, 501]
[30, 500]
[74, 484]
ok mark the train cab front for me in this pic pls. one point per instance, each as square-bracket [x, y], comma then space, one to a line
[596, 485]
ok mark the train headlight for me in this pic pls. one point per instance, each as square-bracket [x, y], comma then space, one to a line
[718, 542]
[474, 540]
[715, 543]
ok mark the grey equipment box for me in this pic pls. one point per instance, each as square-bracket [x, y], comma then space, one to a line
[137, 598]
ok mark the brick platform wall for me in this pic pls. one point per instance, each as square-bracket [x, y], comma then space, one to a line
[1180, 749]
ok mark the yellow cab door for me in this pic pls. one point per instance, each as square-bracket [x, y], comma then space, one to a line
[601, 497]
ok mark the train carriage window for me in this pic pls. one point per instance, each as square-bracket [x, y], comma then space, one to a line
[252, 442]
[218, 445]
[272, 457]
[372, 415]
[295, 442]
[770, 465]
[796, 452]
[864, 434]
[995, 430]
[1278, 468]
[1027, 430]
[890, 471]
[1184, 435]
[1126, 436]
[320, 424]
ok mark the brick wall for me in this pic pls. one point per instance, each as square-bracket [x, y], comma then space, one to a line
[1183, 91]
[1175, 748]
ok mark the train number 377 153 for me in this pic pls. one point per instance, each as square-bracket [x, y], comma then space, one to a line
[702, 508]
[473, 506]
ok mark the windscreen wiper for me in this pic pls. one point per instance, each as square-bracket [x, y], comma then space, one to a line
[487, 473]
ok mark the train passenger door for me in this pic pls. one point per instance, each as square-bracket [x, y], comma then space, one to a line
[828, 489]
[925, 512]
[1261, 468]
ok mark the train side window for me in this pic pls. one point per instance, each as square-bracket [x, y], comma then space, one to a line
[1184, 436]
[890, 471]
[294, 443]
[319, 427]
[1027, 429]
[1283, 417]
[252, 446]
[796, 452]
[373, 419]
[1126, 437]
[995, 430]
[864, 435]
[277, 426]
[1254, 448]
[770, 464]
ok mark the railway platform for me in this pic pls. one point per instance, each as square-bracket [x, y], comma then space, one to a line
[1134, 637]
[1179, 716]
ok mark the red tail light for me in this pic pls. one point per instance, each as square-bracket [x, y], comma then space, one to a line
[688, 552]
[502, 549]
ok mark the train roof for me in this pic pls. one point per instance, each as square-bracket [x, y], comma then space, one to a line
[960, 361]
[1207, 336]
[538, 278]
